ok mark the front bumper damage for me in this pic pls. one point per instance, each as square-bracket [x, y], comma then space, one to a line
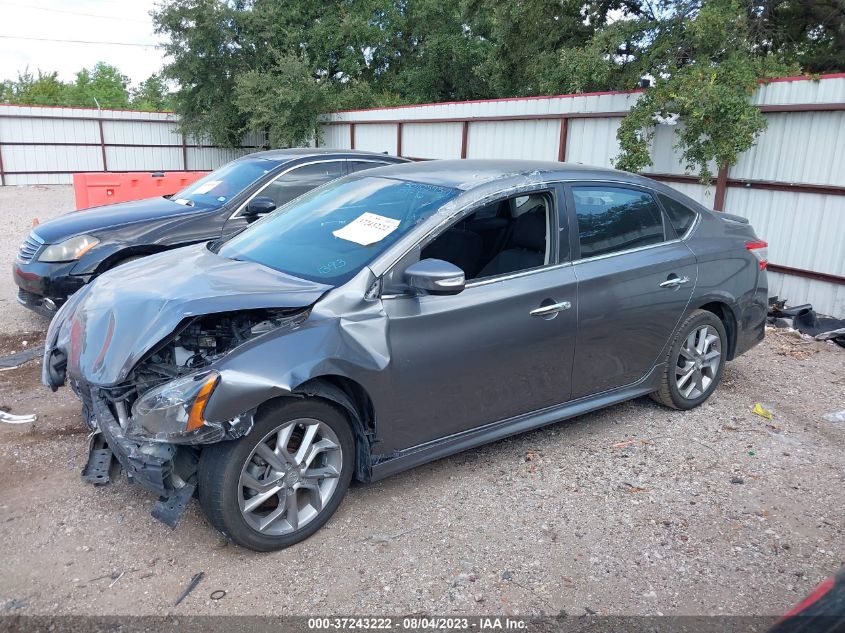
[165, 469]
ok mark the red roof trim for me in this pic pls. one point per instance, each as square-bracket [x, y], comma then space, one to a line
[571, 95]
[534, 98]
[60, 107]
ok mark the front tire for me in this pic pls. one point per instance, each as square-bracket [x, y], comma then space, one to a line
[695, 362]
[282, 482]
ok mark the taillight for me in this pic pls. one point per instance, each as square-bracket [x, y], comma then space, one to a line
[760, 249]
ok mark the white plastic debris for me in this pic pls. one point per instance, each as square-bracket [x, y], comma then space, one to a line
[8, 418]
[838, 416]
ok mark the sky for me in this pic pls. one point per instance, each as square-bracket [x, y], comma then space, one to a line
[126, 21]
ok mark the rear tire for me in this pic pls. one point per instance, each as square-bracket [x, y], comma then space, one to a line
[282, 482]
[694, 364]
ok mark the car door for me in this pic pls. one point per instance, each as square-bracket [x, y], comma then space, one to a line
[635, 280]
[500, 348]
[289, 184]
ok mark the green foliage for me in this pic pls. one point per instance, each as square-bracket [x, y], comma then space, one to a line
[275, 66]
[152, 95]
[102, 86]
[283, 101]
[41, 89]
[706, 69]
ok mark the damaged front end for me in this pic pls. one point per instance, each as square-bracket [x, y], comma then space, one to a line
[153, 423]
[143, 358]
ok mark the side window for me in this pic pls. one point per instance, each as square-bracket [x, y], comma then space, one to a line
[680, 215]
[503, 237]
[300, 180]
[614, 219]
[361, 165]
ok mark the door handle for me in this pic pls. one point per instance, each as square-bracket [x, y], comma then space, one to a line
[674, 282]
[554, 308]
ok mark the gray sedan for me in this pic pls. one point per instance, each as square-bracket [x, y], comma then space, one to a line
[394, 317]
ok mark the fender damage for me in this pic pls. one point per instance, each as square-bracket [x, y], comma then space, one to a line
[190, 311]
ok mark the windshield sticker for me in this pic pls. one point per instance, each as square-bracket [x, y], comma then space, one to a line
[367, 229]
[207, 186]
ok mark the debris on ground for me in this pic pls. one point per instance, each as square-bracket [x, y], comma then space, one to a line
[15, 605]
[16, 359]
[531, 455]
[804, 319]
[838, 416]
[9, 418]
[217, 594]
[762, 411]
[191, 586]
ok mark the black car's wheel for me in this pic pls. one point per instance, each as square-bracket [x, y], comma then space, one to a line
[695, 362]
[280, 483]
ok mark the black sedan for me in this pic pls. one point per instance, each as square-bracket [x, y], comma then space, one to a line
[62, 255]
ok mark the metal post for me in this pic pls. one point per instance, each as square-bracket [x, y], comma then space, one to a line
[721, 189]
[561, 144]
[102, 144]
[464, 139]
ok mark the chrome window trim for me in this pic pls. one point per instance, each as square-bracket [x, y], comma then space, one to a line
[626, 251]
[695, 221]
[653, 191]
[387, 260]
[492, 280]
[662, 214]
[547, 188]
[236, 215]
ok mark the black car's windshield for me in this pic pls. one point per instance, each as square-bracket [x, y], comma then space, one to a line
[331, 233]
[224, 183]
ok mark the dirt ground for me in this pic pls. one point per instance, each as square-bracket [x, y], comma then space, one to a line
[632, 510]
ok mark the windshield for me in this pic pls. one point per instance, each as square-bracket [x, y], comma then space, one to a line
[224, 183]
[331, 233]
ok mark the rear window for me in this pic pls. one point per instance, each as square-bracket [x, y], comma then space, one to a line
[680, 215]
[613, 219]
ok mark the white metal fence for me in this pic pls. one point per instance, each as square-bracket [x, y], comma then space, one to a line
[791, 185]
[45, 145]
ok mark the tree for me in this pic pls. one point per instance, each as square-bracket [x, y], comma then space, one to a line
[152, 95]
[706, 67]
[43, 89]
[103, 86]
[283, 101]
[277, 65]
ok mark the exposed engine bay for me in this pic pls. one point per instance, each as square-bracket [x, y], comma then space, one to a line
[197, 343]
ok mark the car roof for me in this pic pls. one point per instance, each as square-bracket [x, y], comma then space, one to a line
[466, 174]
[295, 153]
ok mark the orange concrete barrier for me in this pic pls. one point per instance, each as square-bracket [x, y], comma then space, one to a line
[96, 189]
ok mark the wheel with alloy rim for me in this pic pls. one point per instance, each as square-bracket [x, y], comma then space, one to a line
[280, 483]
[695, 362]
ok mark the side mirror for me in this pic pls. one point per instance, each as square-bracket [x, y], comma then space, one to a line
[257, 207]
[435, 277]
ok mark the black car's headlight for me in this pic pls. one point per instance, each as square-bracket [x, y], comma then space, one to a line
[70, 250]
[174, 411]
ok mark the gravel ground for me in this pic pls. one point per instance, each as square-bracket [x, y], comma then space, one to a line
[632, 510]
[20, 207]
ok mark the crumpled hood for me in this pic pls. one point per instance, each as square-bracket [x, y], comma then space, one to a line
[109, 325]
